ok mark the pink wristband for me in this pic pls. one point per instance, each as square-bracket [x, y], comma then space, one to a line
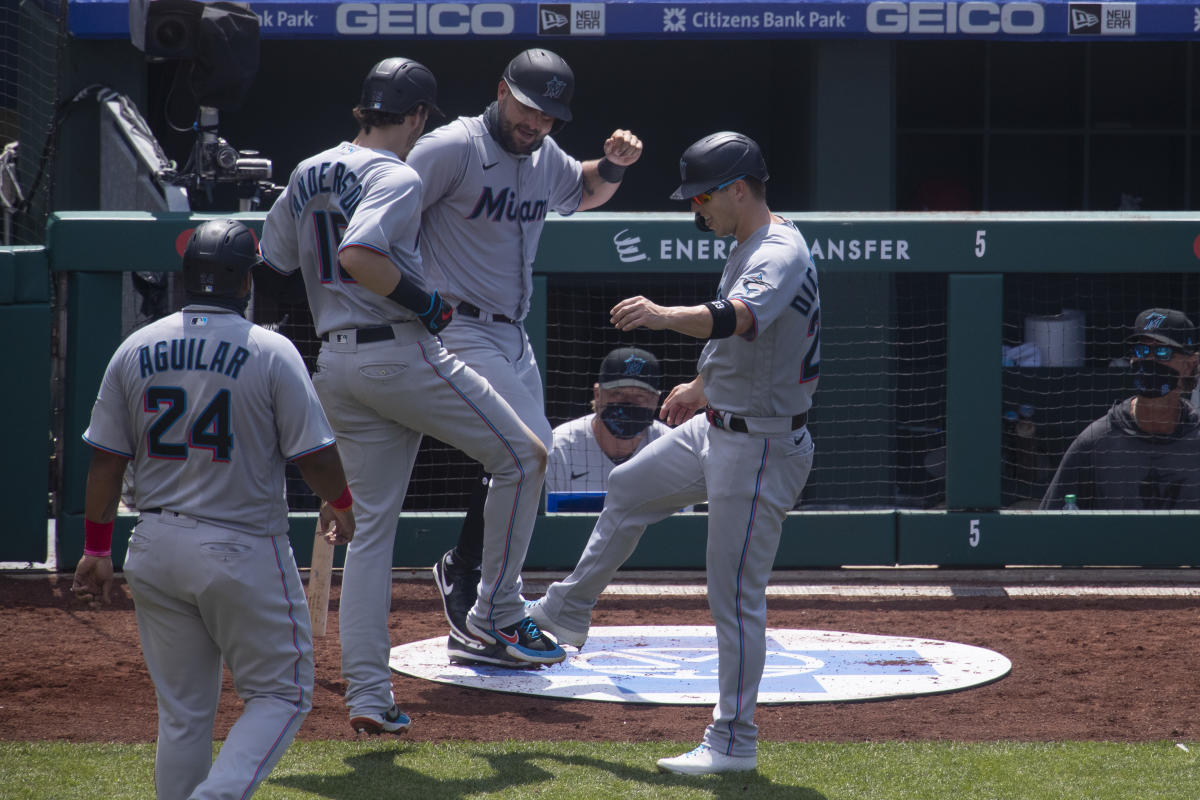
[344, 500]
[97, 538]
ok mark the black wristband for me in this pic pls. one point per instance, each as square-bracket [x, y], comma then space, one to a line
[724, 319]
[411, 296]
[610, 172]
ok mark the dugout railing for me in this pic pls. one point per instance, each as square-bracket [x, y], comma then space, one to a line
[917, 311]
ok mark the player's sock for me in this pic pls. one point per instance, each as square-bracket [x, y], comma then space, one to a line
[468, 553]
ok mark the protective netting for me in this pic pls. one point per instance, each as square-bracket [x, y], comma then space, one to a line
[879, 416]
[32, 36]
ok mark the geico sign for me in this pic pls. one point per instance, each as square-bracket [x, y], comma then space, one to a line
[437, 19]
[969, 18]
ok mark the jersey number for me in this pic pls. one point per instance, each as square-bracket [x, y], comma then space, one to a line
[811, 368]
[329, 227]
[211, 430]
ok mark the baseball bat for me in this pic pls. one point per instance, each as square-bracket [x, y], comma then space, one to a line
[319, 574]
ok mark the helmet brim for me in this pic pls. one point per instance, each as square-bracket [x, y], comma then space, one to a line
[554, 108]
[687, 191]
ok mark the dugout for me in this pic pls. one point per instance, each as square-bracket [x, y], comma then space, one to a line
[878, 106]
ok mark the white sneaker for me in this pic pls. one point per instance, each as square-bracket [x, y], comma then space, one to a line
[705, 761]
[533, 608]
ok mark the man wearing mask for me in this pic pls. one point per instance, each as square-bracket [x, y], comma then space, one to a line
[1144, 453]
[624, 400]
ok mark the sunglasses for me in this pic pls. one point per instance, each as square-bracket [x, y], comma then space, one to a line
[704, 197]
[1162, 352]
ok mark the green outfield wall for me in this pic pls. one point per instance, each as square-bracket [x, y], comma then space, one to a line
[856, 254]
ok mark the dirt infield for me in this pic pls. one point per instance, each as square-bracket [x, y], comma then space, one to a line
[1096, 668]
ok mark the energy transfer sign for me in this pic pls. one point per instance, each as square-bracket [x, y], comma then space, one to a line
[678, 665]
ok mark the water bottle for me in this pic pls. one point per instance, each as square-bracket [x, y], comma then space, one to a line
[1069, 503]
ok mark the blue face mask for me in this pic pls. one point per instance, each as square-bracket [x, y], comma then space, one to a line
[626, 420]
[1153, 379]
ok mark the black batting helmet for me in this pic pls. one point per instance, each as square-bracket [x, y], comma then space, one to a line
[395, 85]
[217, 258]
[717, 158]
[542, 80]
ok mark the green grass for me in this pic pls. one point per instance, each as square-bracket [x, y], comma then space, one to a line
[400, 770]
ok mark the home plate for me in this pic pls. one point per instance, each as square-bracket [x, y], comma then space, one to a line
[677, 664]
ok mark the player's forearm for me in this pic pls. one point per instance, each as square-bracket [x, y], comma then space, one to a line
[596, 190]
[103, 492]
[697, 321]
[323, 472]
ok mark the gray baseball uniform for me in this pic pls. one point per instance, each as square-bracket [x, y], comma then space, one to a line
[209, 407]
[483, 213]
[577, 464]
[384, 381]
[750, 463]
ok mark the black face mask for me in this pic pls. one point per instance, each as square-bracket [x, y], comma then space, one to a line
[625, 420]
[1153, 379]
[701, 224]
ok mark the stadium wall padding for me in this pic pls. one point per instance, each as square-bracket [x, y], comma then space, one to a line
[974, 250]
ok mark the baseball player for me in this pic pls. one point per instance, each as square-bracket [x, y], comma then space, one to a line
[622, 422]
[348, 220]
[488, 183]
[208, 407]
[749, 454]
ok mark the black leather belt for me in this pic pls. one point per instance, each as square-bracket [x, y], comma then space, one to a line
[149, 510]
[738, 425]
[377, 333]
[472, 310]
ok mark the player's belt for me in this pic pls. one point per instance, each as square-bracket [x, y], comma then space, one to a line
[376, 333]
[472, 310]
[758, 425]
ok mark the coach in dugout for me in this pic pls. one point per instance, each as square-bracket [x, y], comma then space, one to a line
[624, 399]
[1144, 454]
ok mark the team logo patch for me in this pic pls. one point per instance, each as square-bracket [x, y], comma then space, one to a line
[1154, 321]
[677, 665]
[554, 87]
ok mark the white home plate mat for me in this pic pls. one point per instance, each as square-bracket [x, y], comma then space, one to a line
[677, 664]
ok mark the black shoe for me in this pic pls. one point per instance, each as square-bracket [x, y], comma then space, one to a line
[523, 641]
[473, 652]
[459, 589]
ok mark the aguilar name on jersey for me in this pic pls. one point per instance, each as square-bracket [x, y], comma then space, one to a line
[185, 397]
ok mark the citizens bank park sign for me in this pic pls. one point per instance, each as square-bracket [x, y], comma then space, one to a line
[648, 19]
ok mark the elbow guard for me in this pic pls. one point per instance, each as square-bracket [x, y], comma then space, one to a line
[724, 317]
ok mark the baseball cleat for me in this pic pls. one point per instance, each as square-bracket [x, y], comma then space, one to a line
[475, 653]
[391, 721]
[458, 588]
[523, 641]
[562, 634]
[706, 761]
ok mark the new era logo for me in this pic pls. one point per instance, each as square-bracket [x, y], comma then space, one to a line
[1102, 19]
[570, 19]
[550, 19]
[1081, 19]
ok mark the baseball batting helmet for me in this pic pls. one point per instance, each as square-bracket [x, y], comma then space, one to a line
[717, 158]
[542, 80]
[217, 258]
[396, 85]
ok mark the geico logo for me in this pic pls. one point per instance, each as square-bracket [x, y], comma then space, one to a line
[968, 18]
[437, 19]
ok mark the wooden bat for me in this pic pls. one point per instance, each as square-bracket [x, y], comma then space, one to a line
[319, 574]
